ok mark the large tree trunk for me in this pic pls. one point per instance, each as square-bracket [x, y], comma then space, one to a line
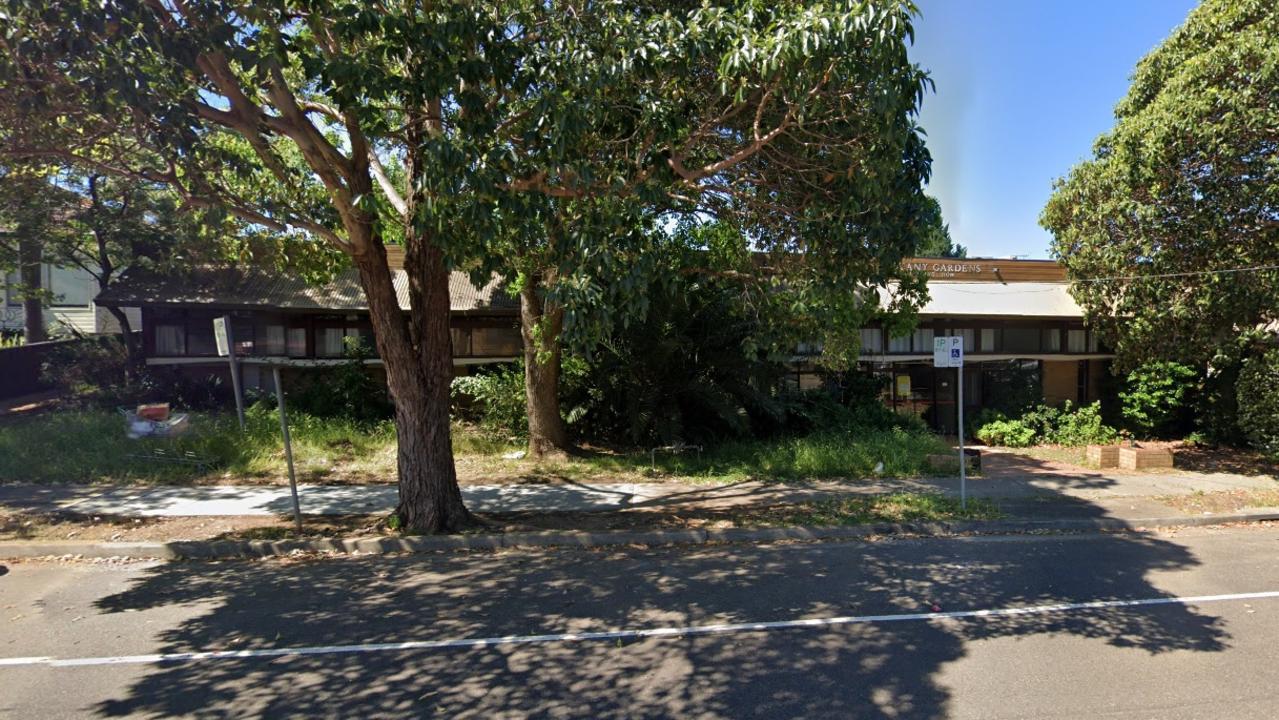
[540, 325]
[29, 252]
[418, 358]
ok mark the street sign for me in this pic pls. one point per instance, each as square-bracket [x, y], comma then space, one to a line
[948, 352]
[220, 336]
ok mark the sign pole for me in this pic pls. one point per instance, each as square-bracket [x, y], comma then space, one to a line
[288, 447]
[226, 346]
[963, 461]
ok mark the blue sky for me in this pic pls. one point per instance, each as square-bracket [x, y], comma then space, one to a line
[1023, 89]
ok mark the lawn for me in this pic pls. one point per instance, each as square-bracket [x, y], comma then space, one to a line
[91, 447]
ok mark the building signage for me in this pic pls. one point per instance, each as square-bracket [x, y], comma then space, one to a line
[947, 268]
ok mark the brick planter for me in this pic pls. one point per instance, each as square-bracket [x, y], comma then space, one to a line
[1140, 458]
[1103, 456]
[950, 461]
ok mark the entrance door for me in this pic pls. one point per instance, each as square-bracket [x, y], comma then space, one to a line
[946, 412]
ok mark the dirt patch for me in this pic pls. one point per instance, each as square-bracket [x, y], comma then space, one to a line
[1222, 501]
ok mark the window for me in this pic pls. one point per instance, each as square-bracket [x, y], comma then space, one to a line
[988, 340]
[1076, 341]
[923, 340]
[461, 341]
[271, 341]
[296, 345]
[170, 340]
[1021, 340]
[970, 338]
[899, 344]
[495, 342]
[70, 287]
[872, 341]
[1052, 340]
[332, 341]
[1092, 342]
[200, 340]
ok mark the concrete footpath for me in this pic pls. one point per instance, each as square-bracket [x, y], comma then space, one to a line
[1042, 503]
[260, 500]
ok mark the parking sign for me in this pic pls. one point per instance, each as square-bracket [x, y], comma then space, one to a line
[948, 352]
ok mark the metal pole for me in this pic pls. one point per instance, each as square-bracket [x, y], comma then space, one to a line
[963, 461]
[288, 448]
[235, 372]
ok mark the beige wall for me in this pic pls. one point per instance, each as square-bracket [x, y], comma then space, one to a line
[1061, 381]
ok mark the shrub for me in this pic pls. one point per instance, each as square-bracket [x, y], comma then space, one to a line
[1007, 433]
[346, 391]
[1083, 426]
[1157, 399]
[1044, 424]
[97, 369]
[494, 398]
[1258, 399]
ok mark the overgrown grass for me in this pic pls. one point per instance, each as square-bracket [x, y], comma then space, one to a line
[91, 447]
[850, 454]
[897, 507]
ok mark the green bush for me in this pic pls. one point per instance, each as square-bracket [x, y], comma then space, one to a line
[494, 399]
[1007, 433]
[1258, 400]
[1044, 424]
[1157, 399]
[1084, 426]
[346, 391]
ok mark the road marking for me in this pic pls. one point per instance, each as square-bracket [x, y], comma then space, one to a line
[627, 634]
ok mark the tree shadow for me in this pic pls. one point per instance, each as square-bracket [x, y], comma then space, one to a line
[852, 670]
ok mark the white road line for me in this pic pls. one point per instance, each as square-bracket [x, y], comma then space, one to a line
[628, 634]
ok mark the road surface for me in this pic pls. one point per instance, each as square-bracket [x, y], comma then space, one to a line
[1168, 625]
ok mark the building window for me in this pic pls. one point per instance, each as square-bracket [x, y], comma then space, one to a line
[70, 287]
[296, 344]
[272, 341]
[1093, 345]
[495, 342]
[200, 340]
[461, 342]
[1076, 341]
[872, 341]
[1052, 340]
[332, 341]
[170, 340]
[923, 340]
[988, 340]
[1021, 340]
[970, 339]
[899, 344]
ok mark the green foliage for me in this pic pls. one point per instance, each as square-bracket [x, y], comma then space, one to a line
[97, 369]
[1067, 425]
[348, 390]
[1007, 433]
[1184, 184]
[1258, 401]
[932, 234]
[91, 446]
[494, 398]
[1157, 399]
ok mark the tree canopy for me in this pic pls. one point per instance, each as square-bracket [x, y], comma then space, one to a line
[460, 129]
[1171, 230]
[932, 233]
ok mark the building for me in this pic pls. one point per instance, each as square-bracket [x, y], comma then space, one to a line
[72, 309]
[285, 318]
[1024, 339]
[1023, 333]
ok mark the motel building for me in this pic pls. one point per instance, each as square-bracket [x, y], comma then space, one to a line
[1024, 336]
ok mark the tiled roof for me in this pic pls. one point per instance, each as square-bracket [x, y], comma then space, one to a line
[255, 286]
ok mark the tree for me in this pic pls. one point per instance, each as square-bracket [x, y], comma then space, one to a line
[1171, 230]
[32, 215]
[449, 128]
[933, 234]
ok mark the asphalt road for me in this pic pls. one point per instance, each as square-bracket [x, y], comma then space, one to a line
[1167, 658]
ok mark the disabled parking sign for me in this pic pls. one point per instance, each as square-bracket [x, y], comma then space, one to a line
[948, 352]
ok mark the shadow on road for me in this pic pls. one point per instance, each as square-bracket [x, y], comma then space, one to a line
[871, 670]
